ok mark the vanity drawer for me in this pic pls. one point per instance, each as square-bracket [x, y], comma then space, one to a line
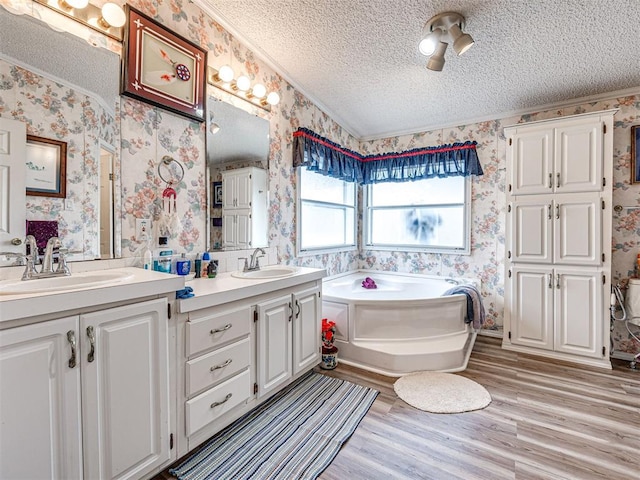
[217, 329]
[202, 409]
[209, 369]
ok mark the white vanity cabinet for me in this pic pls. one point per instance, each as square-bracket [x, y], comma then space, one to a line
[87, 395]
[244, 208]
[558, 240]
[240, 341]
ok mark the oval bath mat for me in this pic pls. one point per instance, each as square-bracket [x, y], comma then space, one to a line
[438, 392]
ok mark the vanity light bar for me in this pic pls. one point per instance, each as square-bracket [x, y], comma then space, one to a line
[265, 102]
[89, 16]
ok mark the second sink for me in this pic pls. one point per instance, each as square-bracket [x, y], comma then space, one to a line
[276, 271]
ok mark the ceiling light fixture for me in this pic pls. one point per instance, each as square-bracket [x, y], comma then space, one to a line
[241, 87]
[108, 20]
[438, 28]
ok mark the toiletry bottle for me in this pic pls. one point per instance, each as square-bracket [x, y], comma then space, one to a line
[198, 266]
[205, 263]
[183, 266]
[212, 269]
[147, 258]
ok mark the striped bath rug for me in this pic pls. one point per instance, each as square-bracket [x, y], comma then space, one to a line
[293, 435]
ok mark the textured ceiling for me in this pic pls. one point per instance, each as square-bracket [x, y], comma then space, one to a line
[358, 59]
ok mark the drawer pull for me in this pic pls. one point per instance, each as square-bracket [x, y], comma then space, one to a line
[222, 365]
[215, 404]
[71, 338]
[218, 330]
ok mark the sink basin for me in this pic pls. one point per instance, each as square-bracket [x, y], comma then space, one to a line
[266, 273]
[59, 284]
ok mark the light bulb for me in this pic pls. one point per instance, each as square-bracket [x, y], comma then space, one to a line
[258, 90]
[112, 16]
[430, 42]
[225, 73]
[273, 98]
[243, 83]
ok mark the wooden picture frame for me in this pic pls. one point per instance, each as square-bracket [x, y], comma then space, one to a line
[217, 194]
[635, 154]
[163, 68]
[46, 167]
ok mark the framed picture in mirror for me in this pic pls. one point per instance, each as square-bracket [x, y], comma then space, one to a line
[217, 194]
[163, 68]
[635, 154]
[46, 167]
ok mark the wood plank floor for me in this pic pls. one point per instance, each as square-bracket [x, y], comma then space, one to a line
[547, 420]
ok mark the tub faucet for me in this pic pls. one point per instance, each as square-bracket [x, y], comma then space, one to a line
[254, 263]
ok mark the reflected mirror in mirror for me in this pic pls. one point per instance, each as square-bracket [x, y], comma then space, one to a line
[235, 139]
[67, 90]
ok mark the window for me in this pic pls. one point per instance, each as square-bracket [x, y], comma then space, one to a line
[430, 215]
[326, 213]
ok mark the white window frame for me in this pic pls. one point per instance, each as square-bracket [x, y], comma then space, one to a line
[324, 249]
[366, 224]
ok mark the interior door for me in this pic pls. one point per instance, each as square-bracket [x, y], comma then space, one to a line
[13, 146]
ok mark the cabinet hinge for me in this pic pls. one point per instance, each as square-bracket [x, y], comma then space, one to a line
[255, 388]
[171, 441]
[604, 128]
[604, 351]
[508, 253]
[603, 257]
[509, 209]
[604, 181]
[169, 311]
[111, 177]
[249, 205]
[509, 277]
[255, 316]
[510, 141]
[603, 204]
[509, 335]
[604, 279]
[509, 187]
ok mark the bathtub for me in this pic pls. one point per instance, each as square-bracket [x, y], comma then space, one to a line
[403, 326]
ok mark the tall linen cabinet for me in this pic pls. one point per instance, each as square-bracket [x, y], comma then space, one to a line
[558, 237]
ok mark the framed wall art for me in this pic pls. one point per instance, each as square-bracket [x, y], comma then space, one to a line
[163, 68]
[46, 167]
[217, 194]
[635, 154]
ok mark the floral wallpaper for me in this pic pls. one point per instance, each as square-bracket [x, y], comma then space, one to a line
[148, 133]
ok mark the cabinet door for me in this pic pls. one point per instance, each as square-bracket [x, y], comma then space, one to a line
[125, 392]
[229, 230]
[578, 311]
[243, 191]
[40, 435]
[243, 229]
[532, 161]
[306, 329]
[229, 190]
[274, 344]
[578, 156]
[531, 229]
[532, 307]
[577, 229]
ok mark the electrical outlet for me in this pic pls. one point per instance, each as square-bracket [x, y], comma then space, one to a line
[142, 229]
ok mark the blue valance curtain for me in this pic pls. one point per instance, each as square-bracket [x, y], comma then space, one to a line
[328, 158]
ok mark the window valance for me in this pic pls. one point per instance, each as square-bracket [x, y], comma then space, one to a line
[328, 158]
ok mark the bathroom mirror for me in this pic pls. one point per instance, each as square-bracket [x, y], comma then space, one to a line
[30, 51]
[235, 139]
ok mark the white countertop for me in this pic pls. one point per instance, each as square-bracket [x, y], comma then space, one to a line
[224, 288]
[139, 283]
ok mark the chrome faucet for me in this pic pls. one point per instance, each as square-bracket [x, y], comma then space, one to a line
[30, 272]
[254, 263]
